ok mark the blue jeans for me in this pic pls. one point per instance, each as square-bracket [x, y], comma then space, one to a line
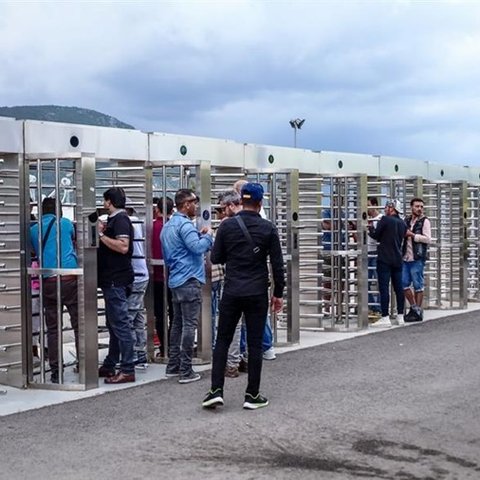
[120, 347]
[136, 318]
[216, 294]
[386, 272]
[412, 274]
[267, 341]
[187, 304]
[373, 298]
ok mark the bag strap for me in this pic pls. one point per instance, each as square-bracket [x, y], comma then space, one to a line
[47, 233]
[247, 233]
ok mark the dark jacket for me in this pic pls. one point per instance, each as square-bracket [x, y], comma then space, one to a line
[246, 271]
[420, 249]
[389, 234]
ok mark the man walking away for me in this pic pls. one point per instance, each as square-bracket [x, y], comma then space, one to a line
[183, 251]
[68, 259]
[415, 251]
[390, 233]
[243, 244]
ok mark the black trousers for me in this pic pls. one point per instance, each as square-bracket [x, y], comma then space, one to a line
[69, 299]
[255, 309]
[160, 312]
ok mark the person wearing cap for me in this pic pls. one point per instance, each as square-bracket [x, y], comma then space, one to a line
[267, 346]
[389, 233]
[183, 251]
[115, 278]
[243, 243]
[415, 249]
[136, 307]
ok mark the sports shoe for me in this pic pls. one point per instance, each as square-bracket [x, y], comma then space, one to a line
[383, 322]
[269, 354]
[414, 315]
[400, 319]
[213, 398]
[231, 372]
[254, 402]
[172, 372]
[190, 377]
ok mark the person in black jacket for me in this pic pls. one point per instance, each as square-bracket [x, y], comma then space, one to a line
[243, 244]
[390, 233]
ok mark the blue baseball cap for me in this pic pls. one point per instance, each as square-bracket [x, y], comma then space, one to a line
[252, 191]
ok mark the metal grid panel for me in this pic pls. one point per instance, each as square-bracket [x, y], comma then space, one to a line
[473, 250]
[333, 252]
[446, 272]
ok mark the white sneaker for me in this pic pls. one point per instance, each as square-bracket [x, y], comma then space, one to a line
[269, 354]
[400, 319]
[383, 322]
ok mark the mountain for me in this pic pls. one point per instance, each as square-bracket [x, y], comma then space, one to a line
[55, 113]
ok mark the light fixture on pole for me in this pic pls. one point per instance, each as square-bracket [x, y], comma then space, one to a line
[296, 124]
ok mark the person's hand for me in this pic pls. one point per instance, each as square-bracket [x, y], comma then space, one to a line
[100, 226]
[276, 304]
[206, 231]
[409, 234]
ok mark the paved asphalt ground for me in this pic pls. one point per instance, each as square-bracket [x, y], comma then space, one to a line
[399, 404]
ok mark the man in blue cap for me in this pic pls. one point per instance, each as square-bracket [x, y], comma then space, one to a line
[243, 244]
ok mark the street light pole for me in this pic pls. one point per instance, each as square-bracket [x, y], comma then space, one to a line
[296, 124]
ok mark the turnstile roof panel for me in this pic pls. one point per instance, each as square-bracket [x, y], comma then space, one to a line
[11, 135]
[439, 171]
[392, 166]
[104, 142]
[186, 148]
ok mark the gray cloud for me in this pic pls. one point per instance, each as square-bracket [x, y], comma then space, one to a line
[394, 78]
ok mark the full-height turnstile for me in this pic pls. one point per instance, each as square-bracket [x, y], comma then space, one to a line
[165, 179]
[473, 242]
[333, 251]
[13, 356]
[281, 205]
[446, 269]
[70, 180]
[403, 189]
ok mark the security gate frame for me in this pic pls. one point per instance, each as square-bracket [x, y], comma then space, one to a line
[281, 206]
[330, 278]
[446, 272]
[86, 249]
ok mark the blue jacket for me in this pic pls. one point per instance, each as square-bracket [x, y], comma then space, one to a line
[183, 248]
[67, 249]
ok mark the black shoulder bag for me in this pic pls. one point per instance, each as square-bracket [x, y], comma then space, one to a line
[247, 234]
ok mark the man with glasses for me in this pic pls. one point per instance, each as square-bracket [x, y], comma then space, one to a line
[415, 248]
[183, 251]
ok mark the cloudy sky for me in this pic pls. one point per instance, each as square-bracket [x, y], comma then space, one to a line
[391, 77]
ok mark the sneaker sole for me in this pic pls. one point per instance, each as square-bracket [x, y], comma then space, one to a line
[171, 375]
[254, 406]
[213, 403]
[190, 380]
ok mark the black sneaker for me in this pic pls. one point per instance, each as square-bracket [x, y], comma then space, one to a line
[172, 372]
[254, 402]
[213, 398]
[415, 314]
